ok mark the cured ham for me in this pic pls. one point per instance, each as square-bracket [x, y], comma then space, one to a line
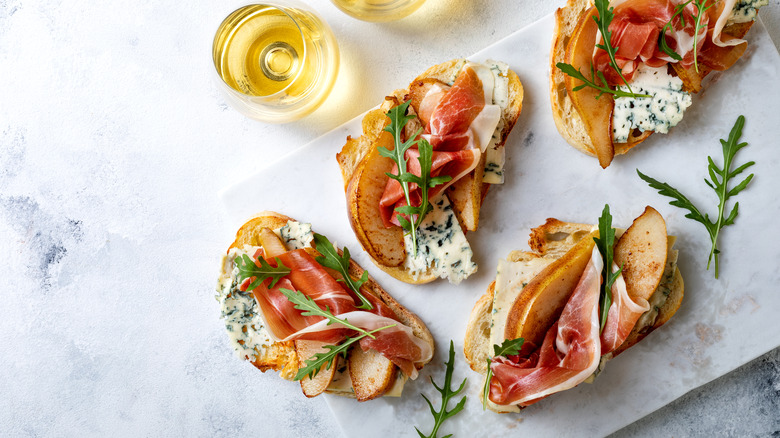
[458, 124]
[285, 323]
[623, 314]
[635, 30]
[569, 353]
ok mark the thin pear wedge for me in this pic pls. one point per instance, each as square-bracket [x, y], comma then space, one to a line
[641, 251]
[596, 113]
[541, 302]
[317, 385]
[365, 189]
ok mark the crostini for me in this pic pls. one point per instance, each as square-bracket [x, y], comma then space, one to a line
[293, 303]
[416, 178]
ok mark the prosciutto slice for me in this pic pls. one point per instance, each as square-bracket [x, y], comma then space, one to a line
[458, 125]
[285, 323]
[635, 31]
[622, 315]
[570, 352]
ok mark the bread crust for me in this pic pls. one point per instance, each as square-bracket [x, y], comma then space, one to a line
[553, 239]
[282, 356]
[355, 150]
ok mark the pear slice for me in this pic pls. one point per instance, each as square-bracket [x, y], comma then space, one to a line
[642, 251]
[541, 302]
[596, 113]
[372, 374]
[365, 189]
[466, 196]
[271, 243]
[317, 385]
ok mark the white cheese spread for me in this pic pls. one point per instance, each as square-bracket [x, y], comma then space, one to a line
[657, 113]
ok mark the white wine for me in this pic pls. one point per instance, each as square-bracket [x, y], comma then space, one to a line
[378, 10]
[285, 55]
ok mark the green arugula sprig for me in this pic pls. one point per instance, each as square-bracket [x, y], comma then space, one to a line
[701, 9]
[398, 120]
[606, 243]
[248, 268]
[315, 363]
[330, 258]
[446, 394]
[720, 178]
[604, 19]
[678, 11]
[509, 347]
[603, 86]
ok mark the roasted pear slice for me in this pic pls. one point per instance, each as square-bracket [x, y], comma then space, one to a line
[596, 113]
[642, 251]
[466, 196]
[271, 243]
[317, 385]
[365, 189]
[541, 302]
[372, 374]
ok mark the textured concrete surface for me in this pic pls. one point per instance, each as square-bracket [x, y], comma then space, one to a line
[114, 143]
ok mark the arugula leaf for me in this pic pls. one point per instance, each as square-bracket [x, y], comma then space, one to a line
[446, 394]
[603, 21]
[248, 268]
[719, 182]
[310, 308]
[509, 347]
[398, 120]
[315, 363]
[678, 10]
[603, 87]
[330, 258]
[701, 9]
[606, 243]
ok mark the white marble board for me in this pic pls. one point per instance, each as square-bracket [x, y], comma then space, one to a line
[722, 323]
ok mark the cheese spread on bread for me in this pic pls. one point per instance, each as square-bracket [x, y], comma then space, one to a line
[657, 113]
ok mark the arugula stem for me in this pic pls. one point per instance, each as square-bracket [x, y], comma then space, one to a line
[407, 194]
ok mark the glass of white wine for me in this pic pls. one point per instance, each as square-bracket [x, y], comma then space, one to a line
[277, 61]
[378, 10]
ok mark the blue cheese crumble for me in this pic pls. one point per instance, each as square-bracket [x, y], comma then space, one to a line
[745, 11]
[442, 247]
[296, 235]
[657, 113]
[243, 322]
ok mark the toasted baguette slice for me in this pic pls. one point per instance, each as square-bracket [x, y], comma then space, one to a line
[371, 374]
[551, 241]
[364, 174]
[567, 119]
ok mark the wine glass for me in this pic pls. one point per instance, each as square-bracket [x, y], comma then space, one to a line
[378, 10]
[277, 61]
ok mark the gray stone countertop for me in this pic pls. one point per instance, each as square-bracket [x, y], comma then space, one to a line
[114, 143]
